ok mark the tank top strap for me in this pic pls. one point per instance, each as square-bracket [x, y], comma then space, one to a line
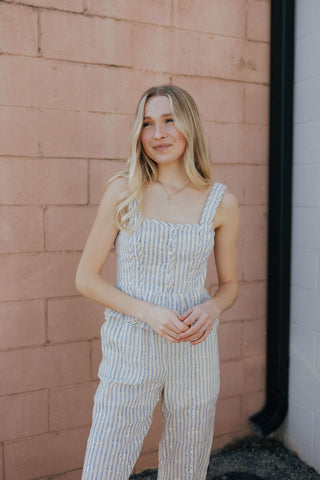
[212, 203]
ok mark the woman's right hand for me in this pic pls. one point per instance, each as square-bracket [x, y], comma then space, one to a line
[165, 322]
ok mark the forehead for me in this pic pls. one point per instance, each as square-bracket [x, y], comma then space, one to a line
[157, 106]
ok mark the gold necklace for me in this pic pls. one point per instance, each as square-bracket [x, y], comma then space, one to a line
[170, 195]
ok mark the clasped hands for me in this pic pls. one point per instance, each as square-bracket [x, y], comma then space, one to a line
[193, 326]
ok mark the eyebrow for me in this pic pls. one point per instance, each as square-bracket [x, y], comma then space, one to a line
[164, 115]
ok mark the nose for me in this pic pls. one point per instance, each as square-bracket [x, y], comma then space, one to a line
[159, 131]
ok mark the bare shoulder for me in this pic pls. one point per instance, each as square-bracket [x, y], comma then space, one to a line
[113, 190]
[228, 210]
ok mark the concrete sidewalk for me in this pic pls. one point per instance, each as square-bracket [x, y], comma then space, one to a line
[257, 459]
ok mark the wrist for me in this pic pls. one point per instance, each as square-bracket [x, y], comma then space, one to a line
[212, 308]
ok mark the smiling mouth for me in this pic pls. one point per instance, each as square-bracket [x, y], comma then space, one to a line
[162, 146]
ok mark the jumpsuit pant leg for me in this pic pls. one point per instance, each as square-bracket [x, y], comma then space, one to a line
[188, 407]
[130, 387]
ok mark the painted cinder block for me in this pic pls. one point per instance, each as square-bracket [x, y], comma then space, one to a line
[18, 29]
[258, 20]
[307, 66]
[306, 145]
[73, 319]
[22, 324]
[251, 302]
[217, 100]
[100, 172]
[31, 276]
[81, 134]
[67, 227]
[306, 175]
[44, 367]
[237, 143]
[231, 379]
[304, 303]
[304, 221]
[253, 224]
[71, 406]
[84, 38]
[254, 261]
[304, 267]
[230, 337]
[157, 12]
[25, 415]
[254, 337]
[188, 53]
[68, 5]
[300, 424]
[228, 416]
[257, 104]
[254, 373]
[21, 229]
[19, 131]
[46, 454]
[33, 181]
[218, 16]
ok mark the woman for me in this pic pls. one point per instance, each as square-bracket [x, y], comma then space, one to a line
[159, 338]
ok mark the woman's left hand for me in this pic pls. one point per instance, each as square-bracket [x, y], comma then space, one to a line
[200, 320]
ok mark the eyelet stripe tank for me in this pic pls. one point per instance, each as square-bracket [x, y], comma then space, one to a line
[166, 263]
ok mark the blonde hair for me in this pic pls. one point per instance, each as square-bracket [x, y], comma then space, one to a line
[142, 170]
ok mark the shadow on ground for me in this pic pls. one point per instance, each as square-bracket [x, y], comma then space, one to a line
[265, 459]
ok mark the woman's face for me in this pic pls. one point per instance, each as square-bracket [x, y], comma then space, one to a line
[160, 138]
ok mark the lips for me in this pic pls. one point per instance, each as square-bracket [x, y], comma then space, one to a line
[161, 146]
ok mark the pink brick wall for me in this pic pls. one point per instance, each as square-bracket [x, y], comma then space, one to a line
[71, 73]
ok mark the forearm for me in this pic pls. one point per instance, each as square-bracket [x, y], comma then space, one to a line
[223, 298]
[98, 290]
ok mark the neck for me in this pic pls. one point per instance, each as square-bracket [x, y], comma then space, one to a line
[172, 175]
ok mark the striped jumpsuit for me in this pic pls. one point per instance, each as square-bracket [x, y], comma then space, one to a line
[165, 264]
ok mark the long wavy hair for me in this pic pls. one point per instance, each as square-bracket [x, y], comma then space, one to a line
[142, 170]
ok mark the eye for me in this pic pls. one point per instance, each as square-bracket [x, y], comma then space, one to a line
[146, 124]
[168, 120]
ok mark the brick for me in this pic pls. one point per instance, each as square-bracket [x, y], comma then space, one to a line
[254, 338]
[43, 181]
[217, 100]
[44, 367]
[73, 319]
[85, 39]
[18, 30]
[254, 261]
[255, 373]
[305, 181]
[258, 20]
[26, 414]
[257, 104]
[253, 224]
[303, 222]
[300, 423]
[230, 340]
[156, 12]
[67, 228]
[237, 143]
[253, 187]
[21, 229]
[100, 172]
[22, 324]
[71, 406]
[19, 131]
[79, 134]
[304, 303]
[251, 303]
[228, 416]
[32, 276]
[231, 379]
[304, 268]
[45, 454]
[96, 356]
[213, 56]
[68, 5]
[218, 16]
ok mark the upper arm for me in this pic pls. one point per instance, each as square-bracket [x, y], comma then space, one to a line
[103, 232]
[226, 236]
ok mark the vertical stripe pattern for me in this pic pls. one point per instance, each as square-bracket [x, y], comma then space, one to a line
[165, 264]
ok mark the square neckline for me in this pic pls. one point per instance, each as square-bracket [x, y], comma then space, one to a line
[155, 220]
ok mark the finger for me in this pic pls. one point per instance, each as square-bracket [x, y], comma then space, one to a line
[195, 336]
[193, 330]
[192, 317]
[179, 326]
[185, 315]
[201, 339]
